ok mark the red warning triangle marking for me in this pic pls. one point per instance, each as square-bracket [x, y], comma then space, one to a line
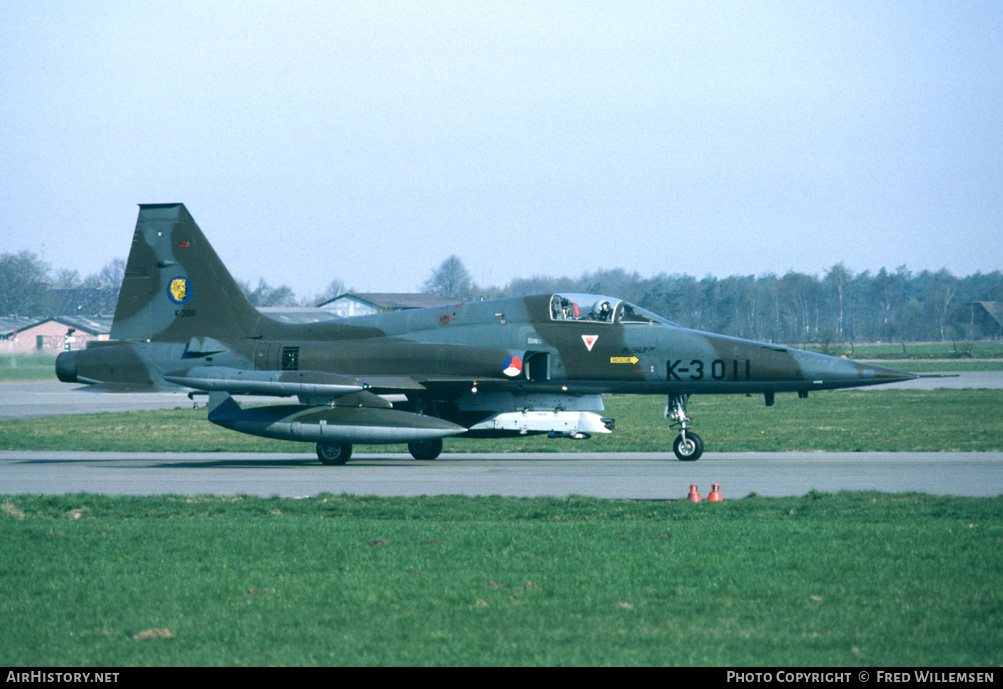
[589, 340]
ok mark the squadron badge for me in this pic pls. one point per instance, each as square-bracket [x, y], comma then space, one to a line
[179, 290]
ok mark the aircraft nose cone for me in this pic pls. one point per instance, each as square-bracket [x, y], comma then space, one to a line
[881, 374]
[829, 371]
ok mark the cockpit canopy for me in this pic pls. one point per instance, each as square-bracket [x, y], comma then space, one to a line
[568, 306]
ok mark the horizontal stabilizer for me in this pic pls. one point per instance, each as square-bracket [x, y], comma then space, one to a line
[205, 345]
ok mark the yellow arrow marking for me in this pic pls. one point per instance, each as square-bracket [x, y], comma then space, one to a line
[623, 359]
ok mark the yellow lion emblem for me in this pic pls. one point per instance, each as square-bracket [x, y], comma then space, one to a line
[179, 289]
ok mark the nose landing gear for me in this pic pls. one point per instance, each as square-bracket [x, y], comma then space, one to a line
[688, 446]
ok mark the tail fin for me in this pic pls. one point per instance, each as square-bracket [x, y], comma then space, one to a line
[175, 286]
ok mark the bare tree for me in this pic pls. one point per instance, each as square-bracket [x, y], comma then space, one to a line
[266, 295]
[24, 281]
[66, 279]
[335, 288]
[109, 277]
[837, 280]
[450, 279]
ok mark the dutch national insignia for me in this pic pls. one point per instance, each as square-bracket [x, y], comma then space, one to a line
[179, 290]
[512, 366]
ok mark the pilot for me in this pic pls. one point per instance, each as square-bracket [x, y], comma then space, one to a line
[602, 311]
[569, 308]
[556, 310]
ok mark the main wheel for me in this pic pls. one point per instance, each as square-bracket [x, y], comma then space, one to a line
[425, 449]
[690, 449]
[334, 453]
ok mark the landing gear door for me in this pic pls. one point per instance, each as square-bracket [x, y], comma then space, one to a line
[537, 366]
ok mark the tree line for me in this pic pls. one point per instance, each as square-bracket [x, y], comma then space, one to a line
[794, 308]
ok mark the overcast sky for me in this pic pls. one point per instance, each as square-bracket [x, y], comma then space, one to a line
[367, 141]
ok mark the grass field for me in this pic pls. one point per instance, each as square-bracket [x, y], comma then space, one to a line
[848, 420]
[20, 368]
[822, 580]
[905, 351]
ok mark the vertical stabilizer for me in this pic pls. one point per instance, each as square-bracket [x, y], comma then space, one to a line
[175, 286]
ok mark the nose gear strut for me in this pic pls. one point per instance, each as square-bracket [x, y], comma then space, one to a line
[688, 446]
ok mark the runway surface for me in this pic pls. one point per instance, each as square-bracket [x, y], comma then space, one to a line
[634, 476]
[52, 398]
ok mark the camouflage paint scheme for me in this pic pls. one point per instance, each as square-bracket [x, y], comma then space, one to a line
[502, 367]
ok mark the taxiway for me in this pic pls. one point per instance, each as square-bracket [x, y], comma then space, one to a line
[641, 476]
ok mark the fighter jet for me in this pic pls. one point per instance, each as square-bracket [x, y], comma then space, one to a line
[498, 368]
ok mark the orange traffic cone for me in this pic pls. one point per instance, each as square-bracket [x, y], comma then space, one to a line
[715, 494]
[694, 496]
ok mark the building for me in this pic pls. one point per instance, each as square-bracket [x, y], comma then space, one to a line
[977, 320]
[365, 303]
[77, 300]
[50, 334]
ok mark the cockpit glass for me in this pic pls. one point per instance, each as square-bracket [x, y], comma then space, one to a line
[582, 307]
[635, 314]
[599, 309]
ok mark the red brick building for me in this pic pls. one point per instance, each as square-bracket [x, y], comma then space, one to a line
[50, 334]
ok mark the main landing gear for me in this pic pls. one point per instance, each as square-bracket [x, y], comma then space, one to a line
[425, 449]
[334, 454]
[688, 446]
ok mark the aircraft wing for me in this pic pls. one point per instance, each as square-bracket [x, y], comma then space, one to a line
[301, 383]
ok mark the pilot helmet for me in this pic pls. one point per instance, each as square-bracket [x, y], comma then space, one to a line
[601, 307]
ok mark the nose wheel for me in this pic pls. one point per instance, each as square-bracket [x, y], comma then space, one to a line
[688, 446]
